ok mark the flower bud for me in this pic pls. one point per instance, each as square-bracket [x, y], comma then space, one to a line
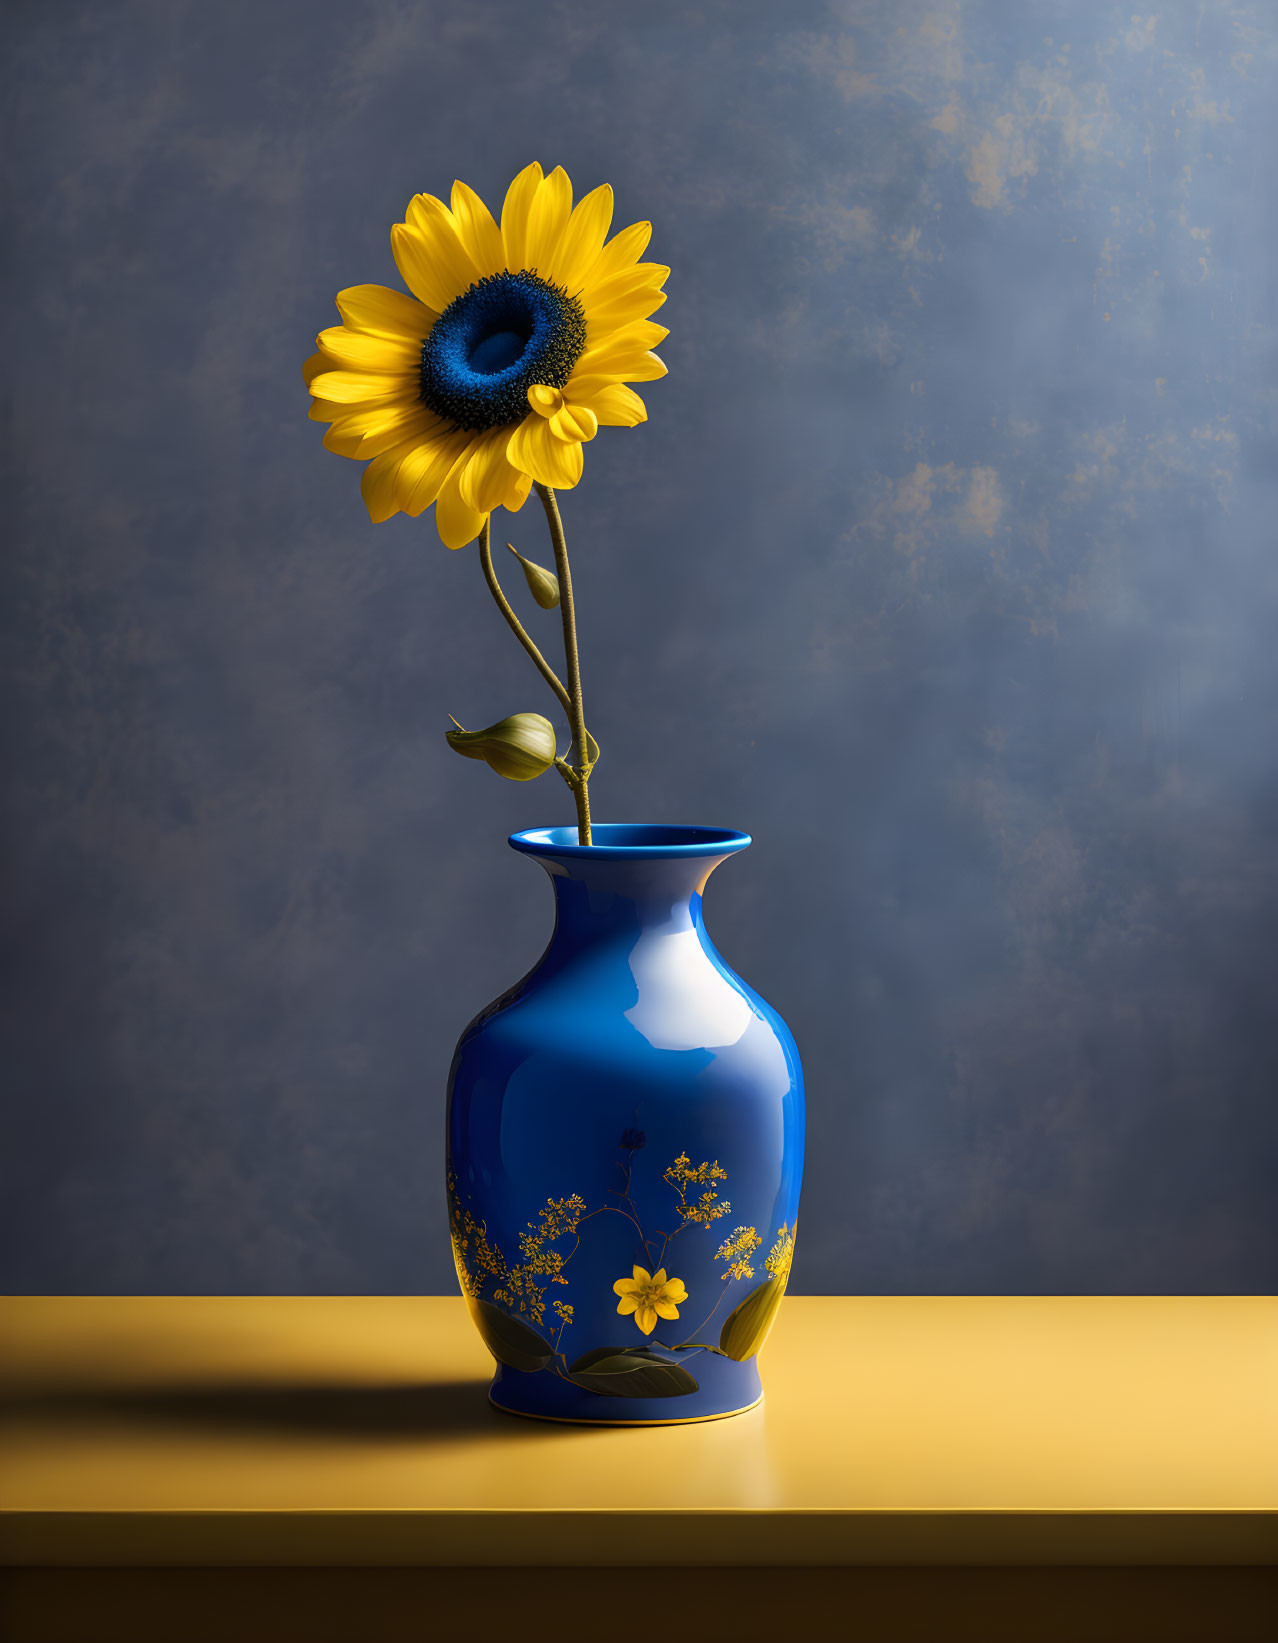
[520, 748]
[542, 584]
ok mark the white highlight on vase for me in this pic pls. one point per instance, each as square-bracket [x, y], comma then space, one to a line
[684, 1003]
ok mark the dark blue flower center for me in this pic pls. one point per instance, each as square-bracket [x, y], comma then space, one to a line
[494, 342]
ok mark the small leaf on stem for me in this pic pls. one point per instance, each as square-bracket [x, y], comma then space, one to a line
[520, 748]
[592, 751]
[542, 584]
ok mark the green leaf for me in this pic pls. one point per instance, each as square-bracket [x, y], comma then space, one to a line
[542, 584]
[509, 1341]
[631, 1372]
[520, 748]
[592, 751]
[745, 1330]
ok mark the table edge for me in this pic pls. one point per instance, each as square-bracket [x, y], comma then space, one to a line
[572, 1537]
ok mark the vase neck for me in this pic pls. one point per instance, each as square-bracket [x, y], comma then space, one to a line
[632, 881]
[601, 901]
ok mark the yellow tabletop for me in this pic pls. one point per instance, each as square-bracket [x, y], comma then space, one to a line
[893, 1430]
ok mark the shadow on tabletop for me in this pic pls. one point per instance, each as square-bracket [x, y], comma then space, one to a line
[441, 1411]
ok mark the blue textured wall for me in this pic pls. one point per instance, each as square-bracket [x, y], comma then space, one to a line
[946, 565]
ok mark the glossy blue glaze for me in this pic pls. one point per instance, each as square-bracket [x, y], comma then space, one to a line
[630, 1046]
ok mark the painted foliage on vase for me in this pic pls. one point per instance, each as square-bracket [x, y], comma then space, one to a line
[526, 1325]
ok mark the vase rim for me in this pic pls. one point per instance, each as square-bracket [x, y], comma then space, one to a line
[630, 841]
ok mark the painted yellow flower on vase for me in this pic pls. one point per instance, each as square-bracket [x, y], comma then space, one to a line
[516, 345]
[649, 1296]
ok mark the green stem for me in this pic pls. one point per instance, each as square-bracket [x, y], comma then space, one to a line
[516, 626]
[576, 709]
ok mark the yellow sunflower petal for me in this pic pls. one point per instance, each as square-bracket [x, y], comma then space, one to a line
[476, 229]
[514, 214]
[628, 1304]
[423, 273]
[360, 352]
[377, 483]
[375, 443]
[444, 245]
[646, 1318]
[641, 1276]
[517, 495]
[665, 1309]
[639, 273]
[602, 318]
[642, 276]
[582, 388]
[636, 367]
[547, 217]
[621, 251]
[374, 431]
[314, 365]
[486, 477]
[425, 469]
[364, 420]
[614, 354]
[675, 1292]
[544, 399]
[574, 422]
[384, 312]
[583, 238]
[659, 1277]
[417, 422]
[646, 368]
[534, 450]
[649, 369]
[344, 444]
[349, 387]
[456, 521]
[328, 410]
[625, 1286]
[614, 405]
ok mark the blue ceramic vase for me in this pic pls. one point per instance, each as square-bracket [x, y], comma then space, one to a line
[625, 1145]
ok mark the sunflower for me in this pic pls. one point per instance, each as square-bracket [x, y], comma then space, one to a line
[515, 346]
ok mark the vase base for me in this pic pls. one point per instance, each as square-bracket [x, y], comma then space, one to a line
[586, 1420]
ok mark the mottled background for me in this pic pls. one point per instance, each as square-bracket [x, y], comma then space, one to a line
[946, 565]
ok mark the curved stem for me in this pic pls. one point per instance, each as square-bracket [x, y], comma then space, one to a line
[576, 710]
[669, 1239]
[706, 1320]
[611, 1209]
[516, 626]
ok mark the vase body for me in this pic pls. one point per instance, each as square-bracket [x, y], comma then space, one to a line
[625, 1147]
